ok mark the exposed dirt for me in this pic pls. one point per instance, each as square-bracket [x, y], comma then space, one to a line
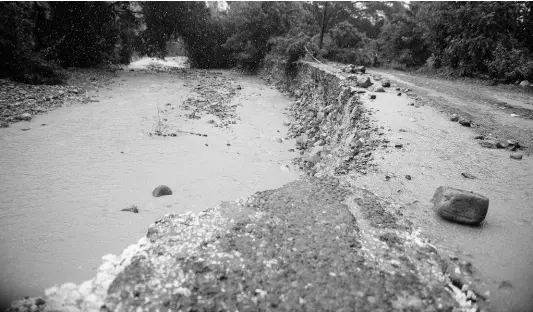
[503, 112]
[421, 143]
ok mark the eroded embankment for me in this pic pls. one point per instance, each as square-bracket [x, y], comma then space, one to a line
[314, 244]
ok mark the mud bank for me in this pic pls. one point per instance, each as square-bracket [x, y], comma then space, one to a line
[315, 244]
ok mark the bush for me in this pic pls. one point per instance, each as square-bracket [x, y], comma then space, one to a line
[509, 65]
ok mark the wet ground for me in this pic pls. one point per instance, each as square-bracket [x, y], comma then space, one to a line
[436, 151]
[64, 181]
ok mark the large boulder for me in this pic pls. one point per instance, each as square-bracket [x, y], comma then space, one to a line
[364, 82]
[460, 206]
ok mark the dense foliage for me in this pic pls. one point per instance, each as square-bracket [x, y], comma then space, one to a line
[480, 39]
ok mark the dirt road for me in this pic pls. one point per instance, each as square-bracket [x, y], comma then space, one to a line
[436, 151]
[64, 181]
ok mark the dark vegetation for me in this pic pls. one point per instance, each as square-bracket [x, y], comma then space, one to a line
[489, 40]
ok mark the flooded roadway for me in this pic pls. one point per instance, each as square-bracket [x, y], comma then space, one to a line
[63, 184]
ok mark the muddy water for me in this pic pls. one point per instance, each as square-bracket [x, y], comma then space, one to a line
[435, 152]
[63, 184]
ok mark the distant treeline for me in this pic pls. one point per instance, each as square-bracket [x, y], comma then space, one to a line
[491, 40]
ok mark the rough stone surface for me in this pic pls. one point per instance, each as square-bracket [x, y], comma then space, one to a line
[364, 82]
[460, 206]
[161, 190]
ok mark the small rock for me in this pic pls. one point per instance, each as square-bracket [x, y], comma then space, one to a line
[161, 190]
[468, 175]
[372, 96]
[465, 122]
[488, 144]
[286, 123]
[133, 209]
[460, 206]
[525, 83]
[39, 301]
[516, 156]
[408, 177]
[132, 69]
[25, 129]
[398, 145]
[25, 117]
[385, 84]
[501, 144]
[454, 117]
[397, 89]
[479, 137]
[506, 285]
[379, 89]
[399, 94]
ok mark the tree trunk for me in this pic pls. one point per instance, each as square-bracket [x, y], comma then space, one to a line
[323, 24]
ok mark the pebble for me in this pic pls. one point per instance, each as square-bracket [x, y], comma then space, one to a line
[454, 117]
[398, 145]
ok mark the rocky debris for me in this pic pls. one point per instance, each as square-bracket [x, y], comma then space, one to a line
[364, 82]
[454, 118]
[516, 156]
[327, 112]
[468, 175]
[350, 68]
[460, 206]
[19, 101]
[525, 84]
[161, 190]
[214, 94]
[385, 84]
[513, 145]
[465, 122]
[132, 208]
